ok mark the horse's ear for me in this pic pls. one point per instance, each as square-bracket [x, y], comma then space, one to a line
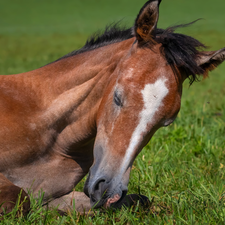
[210, 60]
[146, 21]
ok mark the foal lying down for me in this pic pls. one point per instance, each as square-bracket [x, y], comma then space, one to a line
[92, 111]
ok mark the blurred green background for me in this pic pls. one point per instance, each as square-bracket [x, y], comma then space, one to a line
[35, 32]
[44, 17]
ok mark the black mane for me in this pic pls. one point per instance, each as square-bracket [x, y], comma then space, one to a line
[112, 34]
[180, 51]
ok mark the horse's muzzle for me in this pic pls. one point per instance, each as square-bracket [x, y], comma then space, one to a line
[103, 192]
[106, 183]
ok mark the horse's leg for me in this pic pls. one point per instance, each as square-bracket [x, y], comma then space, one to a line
[81, 203]
[75, 199]
[9, 196]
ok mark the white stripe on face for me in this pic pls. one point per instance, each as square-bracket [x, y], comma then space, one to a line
[153, 95]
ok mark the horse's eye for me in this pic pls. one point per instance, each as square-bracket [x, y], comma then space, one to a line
[117, 99]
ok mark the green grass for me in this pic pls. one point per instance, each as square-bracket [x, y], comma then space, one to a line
[182, 169]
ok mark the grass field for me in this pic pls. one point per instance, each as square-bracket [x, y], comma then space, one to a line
[182, 169]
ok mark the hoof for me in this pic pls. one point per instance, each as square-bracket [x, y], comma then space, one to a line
[132, 200]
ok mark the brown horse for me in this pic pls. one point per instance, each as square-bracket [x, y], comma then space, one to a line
[93, 111]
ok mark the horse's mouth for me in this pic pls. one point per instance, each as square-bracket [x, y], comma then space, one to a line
[109, 201]
[114, 201]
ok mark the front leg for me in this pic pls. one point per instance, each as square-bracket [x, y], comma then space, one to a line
[9, 196]
[82, 202]
[65, 203]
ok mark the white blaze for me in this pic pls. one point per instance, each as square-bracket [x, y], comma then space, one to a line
[153, 95]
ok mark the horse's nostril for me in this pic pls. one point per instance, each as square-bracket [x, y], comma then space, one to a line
[98, 192]
[99, 185]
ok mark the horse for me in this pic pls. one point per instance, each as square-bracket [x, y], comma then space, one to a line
[92, 111]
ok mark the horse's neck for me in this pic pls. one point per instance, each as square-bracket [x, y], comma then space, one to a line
[64, 96]
[72, 89]
[73, 81]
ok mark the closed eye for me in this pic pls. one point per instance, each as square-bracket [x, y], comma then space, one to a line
[117, 100]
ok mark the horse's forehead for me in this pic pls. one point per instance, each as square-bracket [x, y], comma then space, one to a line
[153, 95]
[155, 92]
[137, 77]
[145, 66]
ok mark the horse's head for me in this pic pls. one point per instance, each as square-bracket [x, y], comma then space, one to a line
[145, 96]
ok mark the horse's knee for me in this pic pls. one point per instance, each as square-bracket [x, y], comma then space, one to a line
[10, 196]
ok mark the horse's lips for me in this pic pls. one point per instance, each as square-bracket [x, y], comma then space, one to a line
[111, 200]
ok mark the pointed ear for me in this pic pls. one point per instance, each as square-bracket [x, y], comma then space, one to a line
[210, 60]
[146, 21]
